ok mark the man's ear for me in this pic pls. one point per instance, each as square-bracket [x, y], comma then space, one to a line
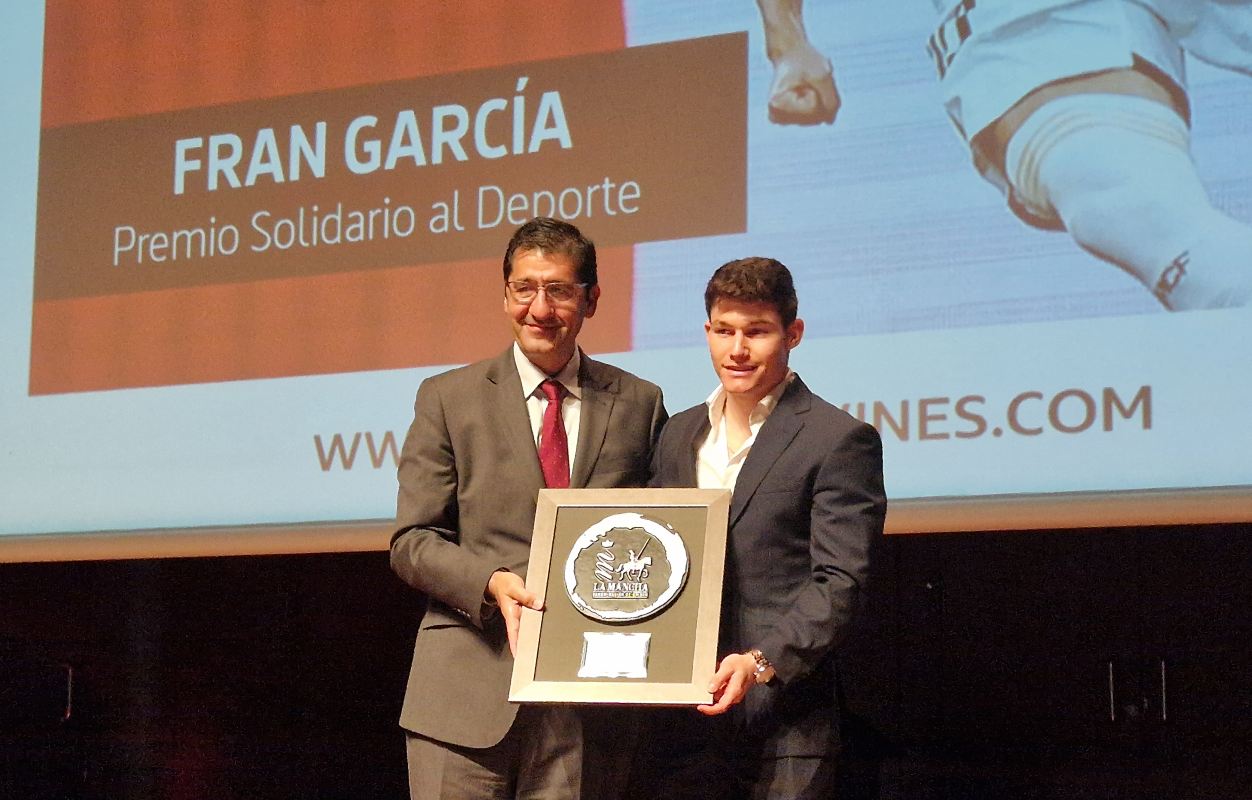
[795, 332]
[593, 299]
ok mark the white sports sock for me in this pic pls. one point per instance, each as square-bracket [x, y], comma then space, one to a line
[1117, 171]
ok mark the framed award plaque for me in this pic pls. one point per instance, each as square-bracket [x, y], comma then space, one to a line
[631, 581]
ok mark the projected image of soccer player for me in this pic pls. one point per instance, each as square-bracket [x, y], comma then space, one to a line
[803, 90]
[1080, 113]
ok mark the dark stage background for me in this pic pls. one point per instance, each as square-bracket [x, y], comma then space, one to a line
[1102, 663]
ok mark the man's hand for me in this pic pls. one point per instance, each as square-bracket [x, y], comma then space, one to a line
[803, 92]
[730, 684]
[509, 592]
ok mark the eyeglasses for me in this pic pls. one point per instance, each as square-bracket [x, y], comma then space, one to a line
[556, 292]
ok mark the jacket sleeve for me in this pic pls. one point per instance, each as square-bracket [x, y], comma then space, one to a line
[659, 418]
[425, 549]
[846, 518]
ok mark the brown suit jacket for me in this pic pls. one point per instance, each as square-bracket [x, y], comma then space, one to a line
[469, 478]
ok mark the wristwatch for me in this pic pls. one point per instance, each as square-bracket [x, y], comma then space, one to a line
[764, 672]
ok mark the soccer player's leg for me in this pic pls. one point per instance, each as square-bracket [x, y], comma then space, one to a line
[1116, 169]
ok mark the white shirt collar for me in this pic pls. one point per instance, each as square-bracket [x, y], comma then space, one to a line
[532, 376]
[717, 402]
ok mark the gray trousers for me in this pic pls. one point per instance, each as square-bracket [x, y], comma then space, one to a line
[540, 757]
[550, 753]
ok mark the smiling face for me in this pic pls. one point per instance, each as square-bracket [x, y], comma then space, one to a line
[749, 346]
[547, 332]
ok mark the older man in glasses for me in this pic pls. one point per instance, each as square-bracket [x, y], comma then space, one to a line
[485, 439]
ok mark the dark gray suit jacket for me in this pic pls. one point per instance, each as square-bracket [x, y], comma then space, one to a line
[806, 511]
[469, 478]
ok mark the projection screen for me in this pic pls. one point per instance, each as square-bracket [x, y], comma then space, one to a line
[236, 236]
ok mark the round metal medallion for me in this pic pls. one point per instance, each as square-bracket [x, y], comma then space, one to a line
[625, 567]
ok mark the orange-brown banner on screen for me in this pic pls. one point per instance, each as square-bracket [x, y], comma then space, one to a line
[319, 232]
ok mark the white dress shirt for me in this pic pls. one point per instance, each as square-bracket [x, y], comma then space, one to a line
[716, 466]
[537, 403]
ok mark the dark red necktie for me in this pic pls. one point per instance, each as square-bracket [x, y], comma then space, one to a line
[553, 444]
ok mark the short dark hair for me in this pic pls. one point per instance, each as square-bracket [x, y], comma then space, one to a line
[754, 280]
[554, 236]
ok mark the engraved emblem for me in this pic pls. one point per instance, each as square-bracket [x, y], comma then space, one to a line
[625, 567]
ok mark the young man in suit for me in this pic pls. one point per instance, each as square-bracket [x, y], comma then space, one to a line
[807, 506]
[485, 439]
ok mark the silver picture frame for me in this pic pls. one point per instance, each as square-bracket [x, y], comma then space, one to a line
[631, 583]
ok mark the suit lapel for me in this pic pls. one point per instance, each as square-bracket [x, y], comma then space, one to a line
[599, 393]
[690, 441]
[778, 432]
[507, 412]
